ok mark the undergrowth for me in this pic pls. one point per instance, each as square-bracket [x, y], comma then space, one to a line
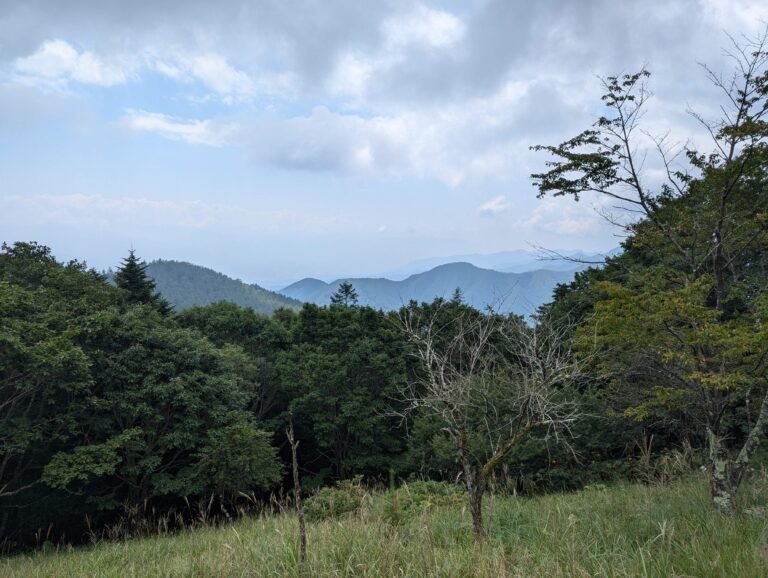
[423, 529]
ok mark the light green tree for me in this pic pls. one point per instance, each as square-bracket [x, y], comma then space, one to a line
[687, 319]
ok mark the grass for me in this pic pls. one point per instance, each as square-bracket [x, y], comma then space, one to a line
[628, 530]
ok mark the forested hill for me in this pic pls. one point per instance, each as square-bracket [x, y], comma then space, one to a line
[186, 285]
[520, 293]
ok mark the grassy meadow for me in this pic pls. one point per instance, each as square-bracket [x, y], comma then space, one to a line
[627, 530]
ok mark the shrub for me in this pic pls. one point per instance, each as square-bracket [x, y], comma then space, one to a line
[332, 503]
[412, 500]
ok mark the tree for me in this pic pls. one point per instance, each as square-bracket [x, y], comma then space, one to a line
[132, 278]
[688, 315]
[345, 295]
[490, 381]
[166, 416]
[43, 370]
[340, 374]
[260, 337]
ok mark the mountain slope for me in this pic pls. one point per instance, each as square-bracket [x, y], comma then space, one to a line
[186, 285]
[519, 293]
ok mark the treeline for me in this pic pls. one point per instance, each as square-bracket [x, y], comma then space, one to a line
[110, 401]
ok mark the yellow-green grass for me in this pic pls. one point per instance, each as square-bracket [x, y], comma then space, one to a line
[628, 530]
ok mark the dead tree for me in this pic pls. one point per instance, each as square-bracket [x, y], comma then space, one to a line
[492, 381]
[297, 497]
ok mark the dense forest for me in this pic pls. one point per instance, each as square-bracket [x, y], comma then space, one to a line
[115, 407]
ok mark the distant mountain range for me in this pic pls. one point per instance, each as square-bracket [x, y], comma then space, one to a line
[518, 261]
[506, 292]
[186, 285]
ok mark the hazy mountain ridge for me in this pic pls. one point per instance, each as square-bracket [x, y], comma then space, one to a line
[516, 261]
[520, 293]
[186, 285]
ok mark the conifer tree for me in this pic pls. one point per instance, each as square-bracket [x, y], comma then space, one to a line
[132, 277]
[345, 296]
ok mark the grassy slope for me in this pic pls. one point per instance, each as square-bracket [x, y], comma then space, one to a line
[622, 531]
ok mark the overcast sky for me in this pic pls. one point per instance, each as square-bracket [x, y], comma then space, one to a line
[273, 140]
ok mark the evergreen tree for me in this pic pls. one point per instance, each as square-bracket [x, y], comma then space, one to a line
[345, 296]
[132, 277]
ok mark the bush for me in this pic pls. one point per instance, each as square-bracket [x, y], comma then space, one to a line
[332, 503]
[412, 500]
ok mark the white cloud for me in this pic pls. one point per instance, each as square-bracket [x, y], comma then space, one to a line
[477, 140]
[56, 63]
[205, 132]
[423, 25]
[216, 73]
[93, 210]
[419, 27]
[494, 206]
[564, 216]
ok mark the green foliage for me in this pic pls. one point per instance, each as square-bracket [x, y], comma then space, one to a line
[139, 288]
[345, 295]
[103, 401]
[681, 331]
[180, 390]
[86, 462]
[44, 306]
[329, 503]
[417, 498]
[238, 457]
[342, 374]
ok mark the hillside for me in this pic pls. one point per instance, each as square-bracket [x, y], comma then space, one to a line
[636, 530]
[520, 293]
[186, 285]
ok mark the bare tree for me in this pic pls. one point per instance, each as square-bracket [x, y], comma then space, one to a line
[297, 496]
[491, 381]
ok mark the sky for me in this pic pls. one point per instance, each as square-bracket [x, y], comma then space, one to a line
[275, 140]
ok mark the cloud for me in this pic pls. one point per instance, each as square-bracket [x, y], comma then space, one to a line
[392, 88]
[565, 217]
[217, 74]
[423, 25]
[204, 132]
[478, 140]
[494, 206]
[127, 212]
[56, 63]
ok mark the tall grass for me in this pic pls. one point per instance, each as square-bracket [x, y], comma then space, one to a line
[629, 530]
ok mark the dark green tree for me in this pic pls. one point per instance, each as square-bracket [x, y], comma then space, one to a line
[343, 370]
[44, 373]
[345, 295]
[132, 278]
[164, 402]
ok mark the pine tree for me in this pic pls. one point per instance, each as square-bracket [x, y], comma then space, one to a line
[345, 296]
[132, 277]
